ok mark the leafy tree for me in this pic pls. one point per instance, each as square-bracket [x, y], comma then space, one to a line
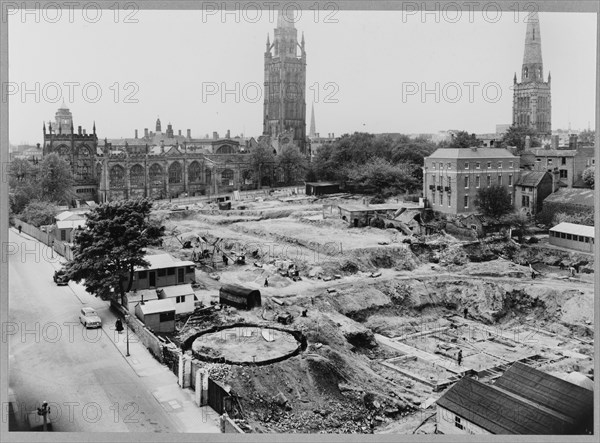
[38, 213]
[515, 136]
[578, 218]
[292, 162]
[382, 175]
[462, 139]
[588, 176]
[519, 222]
[493, 201]
[113, 244]
[261, 157]
[587, 137]
[22, 183]
[55, 179]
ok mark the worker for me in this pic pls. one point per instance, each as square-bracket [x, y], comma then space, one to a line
[572, 271]
[266, 282]
[20, 228]
[459, 358]
[466, 312]
[225, 259]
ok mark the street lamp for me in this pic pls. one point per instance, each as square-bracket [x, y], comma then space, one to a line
[127, 333]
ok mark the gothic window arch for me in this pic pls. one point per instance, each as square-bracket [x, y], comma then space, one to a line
[208, 176]
[155, 174]
[194, 172]
[98, 172]
[175, 173]
[83, 163]
[526, 72]
[117, 176]
[227, 177]
[136, 176]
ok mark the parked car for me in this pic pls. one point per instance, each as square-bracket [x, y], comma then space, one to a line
[60, 278]
[89, 318]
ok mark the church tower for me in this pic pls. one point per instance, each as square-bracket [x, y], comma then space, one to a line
[531, 97]
[284, 113]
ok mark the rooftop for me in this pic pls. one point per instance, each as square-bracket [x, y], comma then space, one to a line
[583, 197]
[531, 178]
[541, 152]
[483, 153]
[156, 306]
[160, 261]
[573, 229]
[177, 290]
[148, 294]
[522, 401]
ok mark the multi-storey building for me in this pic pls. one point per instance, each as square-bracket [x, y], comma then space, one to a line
[452, 177]
[284, 116]
[568, 163]
[531, 97]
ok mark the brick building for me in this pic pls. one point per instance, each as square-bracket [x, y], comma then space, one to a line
[452, 177]
[531, 189]
[568, 163]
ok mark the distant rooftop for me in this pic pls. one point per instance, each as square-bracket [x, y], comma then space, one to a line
[583, 197]
[452, 153]
[574, 229]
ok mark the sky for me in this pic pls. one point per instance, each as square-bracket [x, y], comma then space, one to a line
[373, 71]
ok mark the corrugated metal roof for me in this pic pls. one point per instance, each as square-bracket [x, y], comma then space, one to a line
[572, 228]
[584, 197]
[522, 401]
[156, 306]
[483, 153]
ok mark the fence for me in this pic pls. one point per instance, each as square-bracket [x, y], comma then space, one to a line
[242, 195]
[60, 247]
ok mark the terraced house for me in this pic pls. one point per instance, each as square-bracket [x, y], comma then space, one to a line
[452, 177]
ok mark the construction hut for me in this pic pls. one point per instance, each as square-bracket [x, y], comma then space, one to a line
[239, 297]
[322, 188]
[572, 236]
[157, 315]
[132, 298]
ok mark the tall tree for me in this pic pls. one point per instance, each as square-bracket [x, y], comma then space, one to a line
[112, 246]
[22, 182]
[587, 137]
[55, 179]
[261, 157]
[588, 176]
[493, 201]
[38, 213]
[516, 135]
[292, 162]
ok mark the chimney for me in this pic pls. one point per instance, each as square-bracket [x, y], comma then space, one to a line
[136, 133]
[84, 133]
[162, 146]
[572, 141]
[146, 132]
[215, 135]
[179, 133]
[79, 130]
[142, 300]
[555, 142]
[527, 142]
[228, 134]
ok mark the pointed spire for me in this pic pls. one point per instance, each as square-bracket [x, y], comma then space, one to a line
[549, 77]
[302, 41]
[268, 42]
[312, 132]
[94, 127]
[515, 78]
[44, 128]
[532, 57]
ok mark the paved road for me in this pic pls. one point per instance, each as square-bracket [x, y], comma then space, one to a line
[90, 385]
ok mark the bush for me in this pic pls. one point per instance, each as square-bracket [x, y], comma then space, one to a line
[378, 223]
[533, 240]
[377, 199]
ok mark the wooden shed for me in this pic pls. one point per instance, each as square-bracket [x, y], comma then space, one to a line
[157, 315]
[322, 188]
[239, 297]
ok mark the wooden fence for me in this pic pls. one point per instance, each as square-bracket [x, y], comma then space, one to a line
[60, 247]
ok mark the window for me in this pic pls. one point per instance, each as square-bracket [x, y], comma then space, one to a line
[466, 201]
[549, 162]
[63, 235]
[449, 165]
[581, 238]
[500, 165]
[511, 164]
[466, 182]
[227, 177]
[489, 165]
[477, 165]
[433, 179]
[563, 160]
[563, 235]
[511, 199]
[441, 196]
[564, 173]
[569, 237]
[142, 275]
[433, 165]
[477, 181]
[167, 316]
[180, 299]
[171, 271]
[593, 161]
[458, 423]
[510, 182]
[500, 180]
[489, 180]
[162, 272]
[467, 165]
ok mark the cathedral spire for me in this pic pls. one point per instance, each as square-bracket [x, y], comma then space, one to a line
[312, 132]
[285, 19]
[532, 57]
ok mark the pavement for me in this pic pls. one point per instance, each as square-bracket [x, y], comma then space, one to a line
[152, 376]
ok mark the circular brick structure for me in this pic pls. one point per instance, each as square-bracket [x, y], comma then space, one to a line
[246, 345]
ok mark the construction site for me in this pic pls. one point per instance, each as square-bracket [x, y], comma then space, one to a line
[361, 329]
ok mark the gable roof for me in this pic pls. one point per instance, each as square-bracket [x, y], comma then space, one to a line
[531, 178]
[522, 401]
[483, 153]
[176, 290]
[156, 306]
[160, 261]
[583, 197]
